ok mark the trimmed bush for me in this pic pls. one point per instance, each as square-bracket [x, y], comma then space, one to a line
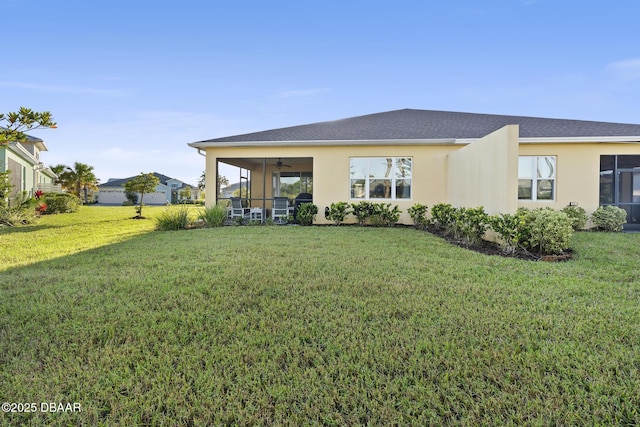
[550, 230]
[306, 213]
[442, 216]
[470, 224]
[609, 218]
[383, 215]
[507, 228]
[338, 212]
[418, 214]
[577, 215]
[60, 203]
[362, 211]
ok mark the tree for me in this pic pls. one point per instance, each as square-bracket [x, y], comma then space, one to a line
[78, 180]
[223, 181]
[24, 119]
[59, 170]
[143, 183]
[202, 180]
[185, 193]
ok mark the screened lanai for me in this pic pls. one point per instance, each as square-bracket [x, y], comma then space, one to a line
[257, 181]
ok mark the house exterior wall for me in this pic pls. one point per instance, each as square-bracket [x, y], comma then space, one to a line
[22, 173]
[331, 171]
[577, 171]
[116, 196]
[485, 173]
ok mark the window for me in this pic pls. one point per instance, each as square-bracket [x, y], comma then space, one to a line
[536, 178]
[380, 177]
[291, 184]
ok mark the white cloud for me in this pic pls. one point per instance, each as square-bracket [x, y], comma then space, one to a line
[628, 70]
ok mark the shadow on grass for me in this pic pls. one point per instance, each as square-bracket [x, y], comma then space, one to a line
[26, 229]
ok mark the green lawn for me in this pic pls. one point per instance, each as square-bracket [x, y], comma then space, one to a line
[311, 325]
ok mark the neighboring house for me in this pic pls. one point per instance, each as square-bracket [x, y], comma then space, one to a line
[410, 156]
[168, 191]
[228, 191]
[26, 171]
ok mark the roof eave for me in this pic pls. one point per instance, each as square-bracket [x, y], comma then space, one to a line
[380, 142]
[581, 140]
[320, 143]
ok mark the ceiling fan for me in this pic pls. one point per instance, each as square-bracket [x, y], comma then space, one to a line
[280, 165]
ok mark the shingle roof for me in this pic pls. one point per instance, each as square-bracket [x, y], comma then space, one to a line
[409, 124]
[121, 182]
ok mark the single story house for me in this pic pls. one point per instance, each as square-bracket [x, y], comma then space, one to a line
[412, 156]
[26, 171]
[169, 190]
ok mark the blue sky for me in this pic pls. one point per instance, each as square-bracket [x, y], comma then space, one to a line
[130, 83]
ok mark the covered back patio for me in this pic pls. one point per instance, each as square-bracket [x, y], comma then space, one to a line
[262, 179]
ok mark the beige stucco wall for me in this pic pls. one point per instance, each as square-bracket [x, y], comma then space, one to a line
[577, 171]
[485, 173]
[331, 173]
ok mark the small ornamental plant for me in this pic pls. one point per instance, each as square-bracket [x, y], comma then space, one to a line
[306, 213]
[418, 214]
[577, 215]
[41, 208]
[338, 212]
[609, 218]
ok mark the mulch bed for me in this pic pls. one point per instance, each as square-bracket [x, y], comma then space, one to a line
[492, 248]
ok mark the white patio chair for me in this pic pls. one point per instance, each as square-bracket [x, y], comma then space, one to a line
[237, 211]
[280, 209]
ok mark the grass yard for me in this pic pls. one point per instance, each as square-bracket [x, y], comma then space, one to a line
[311, 325]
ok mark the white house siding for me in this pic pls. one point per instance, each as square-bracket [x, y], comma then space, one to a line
[116, 195]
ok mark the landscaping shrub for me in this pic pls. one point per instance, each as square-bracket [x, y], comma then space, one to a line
[508, 230]
[20, 210]
[577, 215]
[306, 213]
[338, 212]
[213, 216]
[418, 214]
[470, 224]
[60, 203]
[13, 216]
[362, 211]
[550, 231]
[382, 215]
[442, 217]
[173, 218]
[609, 218]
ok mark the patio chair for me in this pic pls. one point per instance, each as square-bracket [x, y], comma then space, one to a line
[280, 209]
[237, 211]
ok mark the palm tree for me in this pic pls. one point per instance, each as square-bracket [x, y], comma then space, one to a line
[80, 179]
[62, 175]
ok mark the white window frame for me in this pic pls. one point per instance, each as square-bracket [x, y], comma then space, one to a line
[535, 177]
[392, 177]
